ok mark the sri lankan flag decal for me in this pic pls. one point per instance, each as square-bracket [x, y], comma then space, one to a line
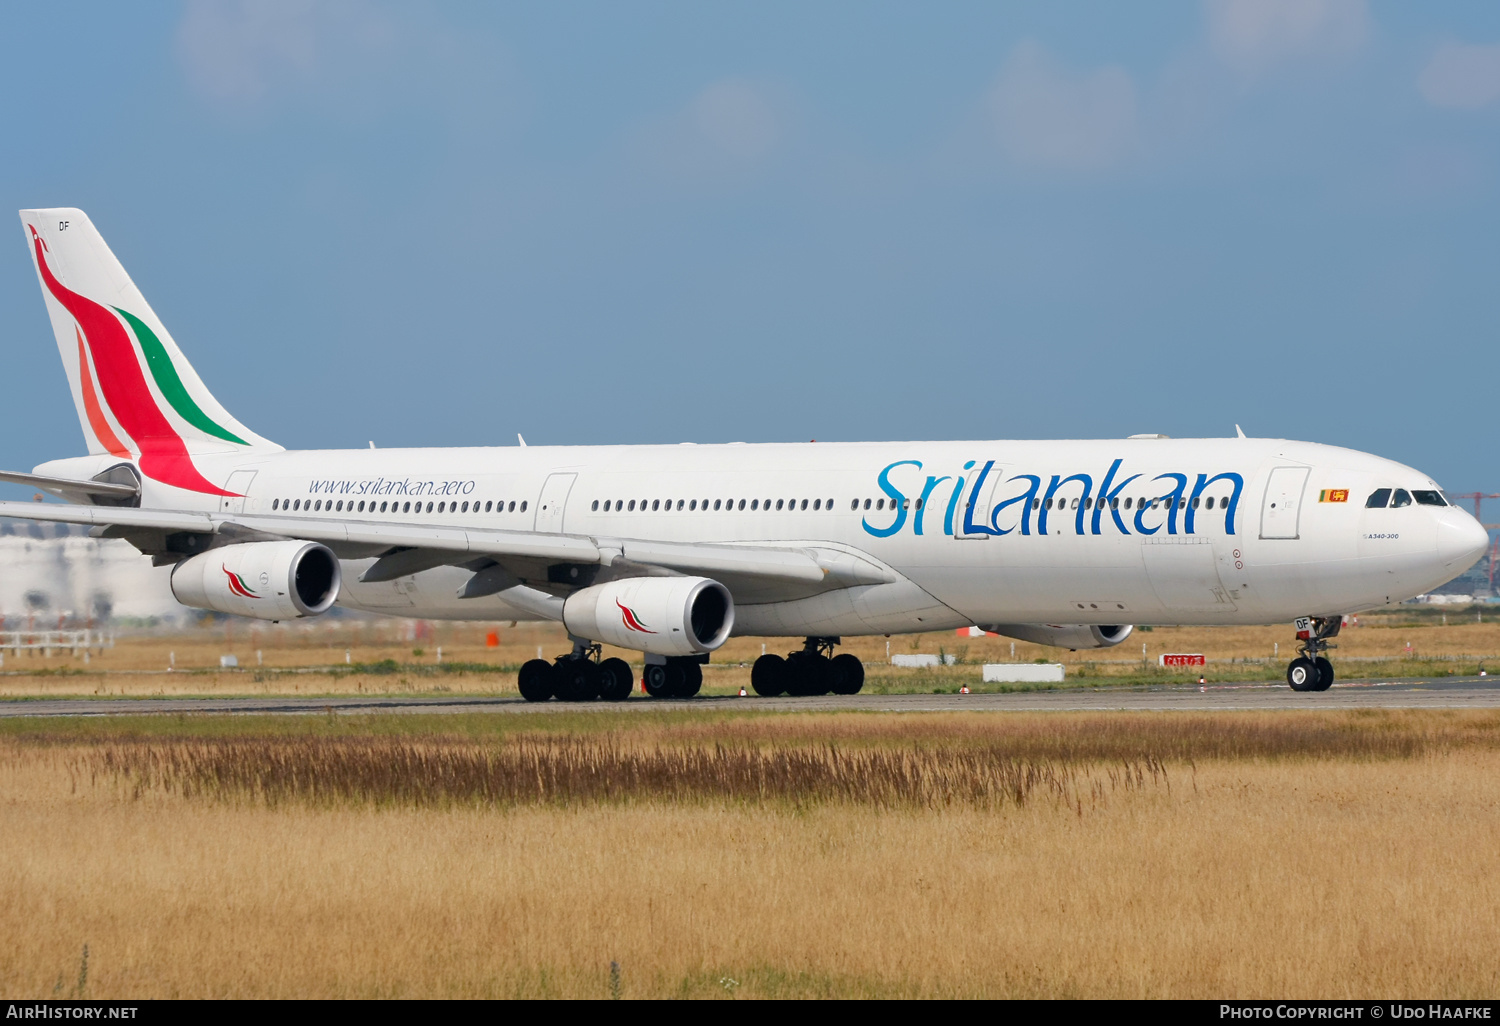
[1334, 495]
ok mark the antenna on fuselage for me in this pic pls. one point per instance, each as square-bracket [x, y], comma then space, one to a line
[1238, 432]
[520, 439]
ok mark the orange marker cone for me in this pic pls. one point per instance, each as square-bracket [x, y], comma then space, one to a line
[964, 690]
[742, 692]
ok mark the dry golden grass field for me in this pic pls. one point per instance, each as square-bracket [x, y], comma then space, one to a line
[712, 854]
[384, 657]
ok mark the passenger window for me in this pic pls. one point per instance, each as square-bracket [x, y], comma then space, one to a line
[693, 505]
[1075, 504]
[854, 504]
[742, 504]
[1036, 504]
[429, 507]
[632, 505]
[818, 504]
[274, 503]
[523, 505]
[680, 504]
[1401, 498]
[754, 505]
[828, 504]
[718, 504]
[440, 506]
[595, 507]
[1195, 502]
[880, 504]
[655, 505]
[779, 503]
[867, 504]
[486, 505]
[804, 503]
[1428, 498]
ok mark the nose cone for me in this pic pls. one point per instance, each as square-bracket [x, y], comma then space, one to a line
[1460, 540]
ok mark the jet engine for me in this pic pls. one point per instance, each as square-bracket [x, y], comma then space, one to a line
[669, 616]
[279, 580]
[1064, 635]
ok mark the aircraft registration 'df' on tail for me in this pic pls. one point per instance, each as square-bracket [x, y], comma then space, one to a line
[670, 550]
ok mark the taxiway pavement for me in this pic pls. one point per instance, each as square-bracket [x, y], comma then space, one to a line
[1438, 693]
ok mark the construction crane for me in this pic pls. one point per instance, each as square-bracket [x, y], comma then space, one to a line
[1477, 498]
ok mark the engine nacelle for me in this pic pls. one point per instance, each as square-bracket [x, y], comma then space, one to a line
[669, 616]
[268, 580]
[1064, 635]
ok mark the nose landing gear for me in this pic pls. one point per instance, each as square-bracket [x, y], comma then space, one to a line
[1311, 671]
[579, 676]
[815, 670]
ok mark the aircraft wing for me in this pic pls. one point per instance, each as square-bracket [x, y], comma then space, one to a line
[756, 572]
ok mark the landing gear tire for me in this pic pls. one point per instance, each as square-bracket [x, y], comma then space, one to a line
[615, 680]
[575, 680]
[535, 680]
[1325, 673]
[846, 674]
[768, 677]
[808, 674]
[663, 680]
[692, 680]
[1302, 674]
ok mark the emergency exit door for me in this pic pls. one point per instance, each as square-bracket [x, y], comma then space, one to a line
[1281, 511]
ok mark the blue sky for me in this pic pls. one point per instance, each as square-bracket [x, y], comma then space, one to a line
[641, 222]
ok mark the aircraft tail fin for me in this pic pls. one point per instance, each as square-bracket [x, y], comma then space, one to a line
[136, 394]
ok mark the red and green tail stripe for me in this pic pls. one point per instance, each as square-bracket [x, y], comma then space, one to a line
[164, 456]
[165, 374]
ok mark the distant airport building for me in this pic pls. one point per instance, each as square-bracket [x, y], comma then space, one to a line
[56, 575]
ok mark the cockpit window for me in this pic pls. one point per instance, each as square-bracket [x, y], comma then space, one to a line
[1401, 498]
[1429, 498]
[1378, 498]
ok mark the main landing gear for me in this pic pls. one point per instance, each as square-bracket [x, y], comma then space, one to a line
[579, 676]
[677, 677]
[1310, 671]
[813, 671]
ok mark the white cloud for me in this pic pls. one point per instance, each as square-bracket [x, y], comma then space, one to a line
[733, 116]
[1461, 75]
[1253, 34]
[1048, 116]
[730, 128]
[241, 51]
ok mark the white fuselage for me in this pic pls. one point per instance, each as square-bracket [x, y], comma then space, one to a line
[1231, 531]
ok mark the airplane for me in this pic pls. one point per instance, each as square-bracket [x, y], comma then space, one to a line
[669, 550]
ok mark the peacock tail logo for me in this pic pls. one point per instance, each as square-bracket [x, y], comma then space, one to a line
[237, 583]
[105, 340]
[631, 620]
